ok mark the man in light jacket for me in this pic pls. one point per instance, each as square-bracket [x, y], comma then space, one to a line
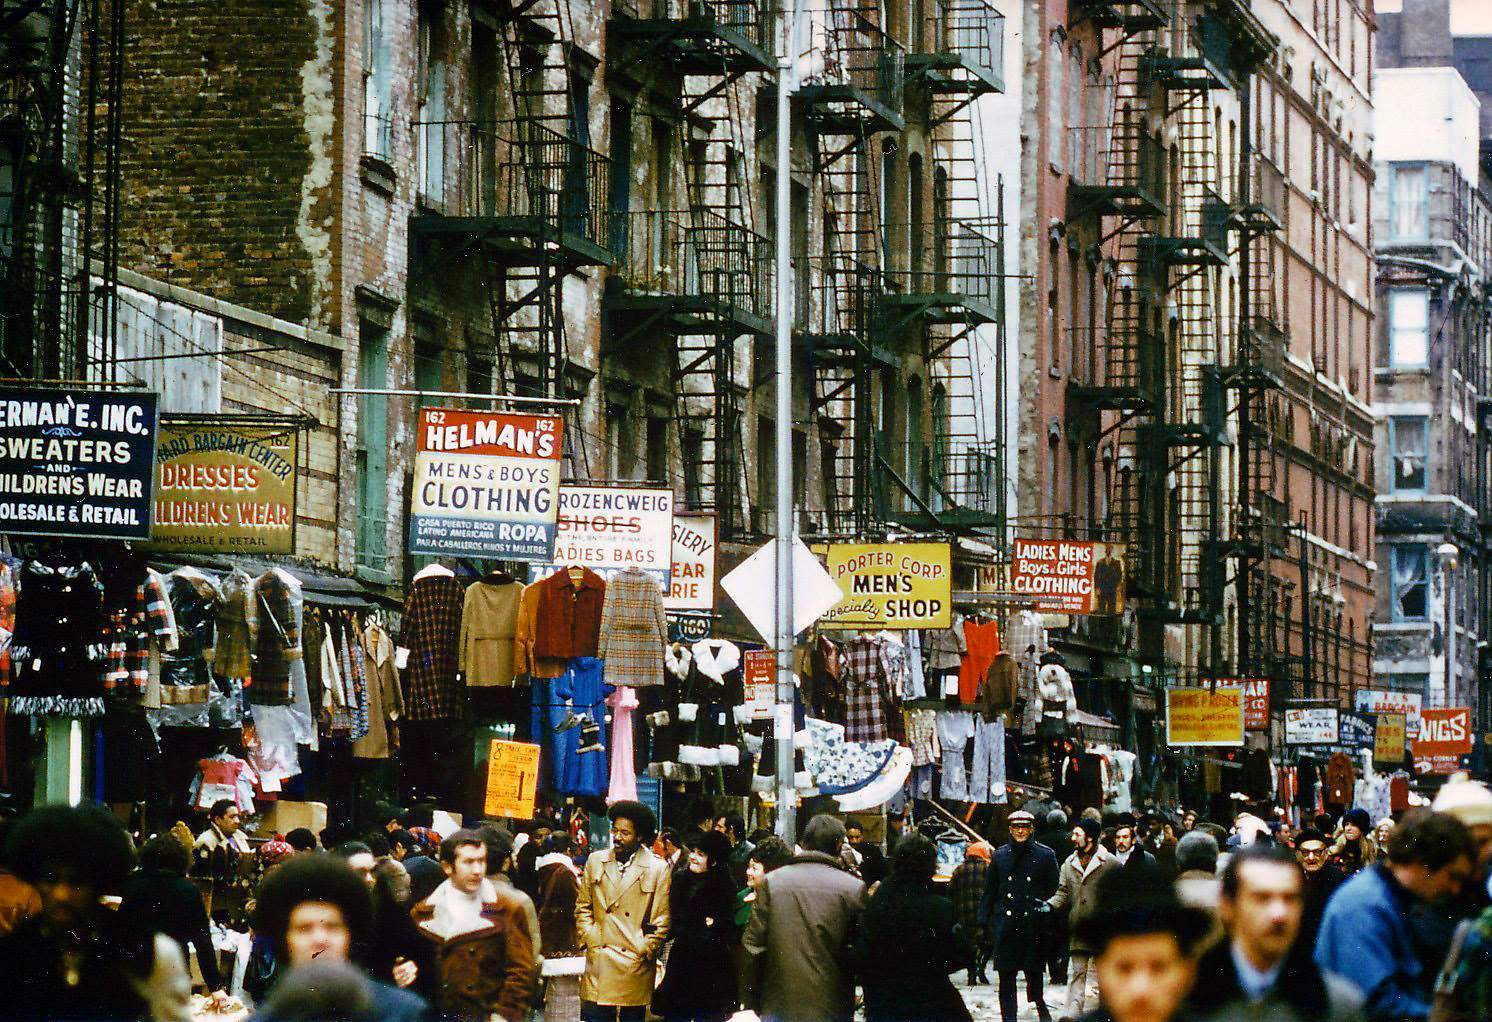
[621, 914]
[797, 965]
[1077, 891]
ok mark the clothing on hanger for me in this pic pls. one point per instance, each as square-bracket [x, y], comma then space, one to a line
[633, 630]
[275, 609]
[489, 626]
[431, 632]
[559, 620]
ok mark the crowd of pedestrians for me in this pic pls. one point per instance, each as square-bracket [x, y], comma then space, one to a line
[1148, 920]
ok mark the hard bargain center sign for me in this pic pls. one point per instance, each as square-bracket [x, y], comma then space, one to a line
[225, 484]
[891, 585]
[485, 485]
[76, 463]
[1068, 576]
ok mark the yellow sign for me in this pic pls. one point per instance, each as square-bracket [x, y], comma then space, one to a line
[1390, 740]
[891, 585]
[512, 779]
[1204, 716]
[225, 484]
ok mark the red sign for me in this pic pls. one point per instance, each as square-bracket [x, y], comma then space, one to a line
[759, 675]
[1065, 576]
[1443, 732]
[1256, 704]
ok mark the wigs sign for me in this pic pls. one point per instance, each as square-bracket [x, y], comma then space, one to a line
[76, 463]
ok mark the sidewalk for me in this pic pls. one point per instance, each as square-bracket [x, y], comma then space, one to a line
[984, 1003]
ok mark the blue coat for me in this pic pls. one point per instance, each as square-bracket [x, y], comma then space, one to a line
[1015, 888]
[1365, 939]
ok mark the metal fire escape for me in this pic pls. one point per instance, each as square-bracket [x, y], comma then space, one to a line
[699, 275]
[61, 73]
[522, 190]
[852, 97]
[1120, 178]
[950, 290]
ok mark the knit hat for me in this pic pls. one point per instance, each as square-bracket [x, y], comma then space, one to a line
[1090, 827]
[1468, 801]
[1310, 834]
[274, 851]
[1359, 818]
[978, 850]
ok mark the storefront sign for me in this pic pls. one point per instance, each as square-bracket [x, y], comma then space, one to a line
[485, 485]
[1354, 730]
[1311, 725]
[692, 583]
[225, 483]
[1443, 732]
[76, 462]
[891, 585]
[1204, 716]
[1389, 741]
[1256, 704]
[759, 676]
[611, 528]
[512, 779]
[1068, 576]
[1380, 702]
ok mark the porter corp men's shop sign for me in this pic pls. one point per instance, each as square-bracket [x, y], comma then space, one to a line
[485, 485]
[225, 485]
[891, 585]
[76, 462]
[1066, 576]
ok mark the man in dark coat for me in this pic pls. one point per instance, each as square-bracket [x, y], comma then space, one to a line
[1022, 875]
[1058, 837]
[1128, 850]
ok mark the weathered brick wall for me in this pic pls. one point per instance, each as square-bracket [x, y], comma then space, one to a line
[216, 151]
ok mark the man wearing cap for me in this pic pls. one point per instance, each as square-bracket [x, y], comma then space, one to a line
[1022, 876]
[1076, 892]
[1321, 881]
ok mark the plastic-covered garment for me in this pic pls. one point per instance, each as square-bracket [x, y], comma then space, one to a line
[623, 703]
[56, 656]
[223, 776]
[186, 674]
[231, 654]
[274, 612]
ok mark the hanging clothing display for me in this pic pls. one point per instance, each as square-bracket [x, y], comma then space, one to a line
[824, 673]
[562, 707]
[56, 656]
[1340, 779]
[559, 620]
[999, 688]
[489, 626]
[1059, 704]
[231, 653]
[223, 776]
[1121, 779]
[983, 642]
[385, 699]
[274, 616]
[922, 736]
[186, 672]
[987, 776]
[132, 620]
[955, 731]
[633, 630]
[712, 690]
[431, 631]
[623, 786]
[869, 687]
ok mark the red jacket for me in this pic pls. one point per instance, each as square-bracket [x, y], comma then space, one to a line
[568, 623]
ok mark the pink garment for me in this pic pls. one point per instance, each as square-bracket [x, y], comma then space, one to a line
[623, 775]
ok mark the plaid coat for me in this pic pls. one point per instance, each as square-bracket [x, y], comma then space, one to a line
[634, 630]
[966, 890]
[431, 631]
[274, 617]
[869, 691]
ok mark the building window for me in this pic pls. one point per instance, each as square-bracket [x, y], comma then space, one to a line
[1408, 327]
[429, 373]
[479, 373]
[1408, 447]
[378, 118]
[657, 452]
[430, 86]
[372, 448]
[1408, 203]
[1411, 582]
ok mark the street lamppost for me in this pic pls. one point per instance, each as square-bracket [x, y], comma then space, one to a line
[1448, 553]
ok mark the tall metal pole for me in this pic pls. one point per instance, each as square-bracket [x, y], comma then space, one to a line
[784, 525]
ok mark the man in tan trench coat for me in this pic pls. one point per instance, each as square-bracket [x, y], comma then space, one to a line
[621, 914]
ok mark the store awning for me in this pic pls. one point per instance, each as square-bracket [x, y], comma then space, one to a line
[1092, 722]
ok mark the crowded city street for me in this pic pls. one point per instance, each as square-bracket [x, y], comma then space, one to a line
[746, 511]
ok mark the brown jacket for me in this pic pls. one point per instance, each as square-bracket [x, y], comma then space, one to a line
[623, 924]
[487, 970]
[558, 621]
